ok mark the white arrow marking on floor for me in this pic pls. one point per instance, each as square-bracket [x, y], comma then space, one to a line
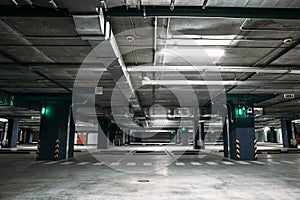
[227, 163]
[180, 164]
[211, 163]
[67, 163]
[82, 163]
[147, 164]
[243, 162]
[195, 163]
[114, 164]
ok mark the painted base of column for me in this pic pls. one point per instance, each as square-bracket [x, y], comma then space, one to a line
[243, 144]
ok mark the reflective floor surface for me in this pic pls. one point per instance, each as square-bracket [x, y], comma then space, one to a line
[154, 172]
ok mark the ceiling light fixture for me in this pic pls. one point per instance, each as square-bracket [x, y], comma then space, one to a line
[288, 41]
[53, 4]
[3, 120]
[172, 5]
[130, 38]
[30, 3]
[144, 12]
[194, 52]
[15, 2]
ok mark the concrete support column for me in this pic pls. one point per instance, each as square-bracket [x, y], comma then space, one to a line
[202, 135]
[173, 137]
[242, 132]
[12, 132]
[196, 137]
[127, 137]
[176, 136]
[27, 135]
[225, 139]
[103, 135]
[271, 135]
[288, 136]
[4, 136]
[54, 131]
[184, 136]
[3, 132]
[71, 135]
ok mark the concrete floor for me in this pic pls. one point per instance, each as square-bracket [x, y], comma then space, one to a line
[274, 176]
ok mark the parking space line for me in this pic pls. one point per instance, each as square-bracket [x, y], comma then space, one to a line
[147, 164]
[196, 163]
[180, 164]
[211, 163]
[67, 163]
[227, 163]
[50, 163]
[288, 162]
[257, 162]
[98, 163]
[275, 162]
[82, 163]
[114, 163]
[131, 164]
[242, 162]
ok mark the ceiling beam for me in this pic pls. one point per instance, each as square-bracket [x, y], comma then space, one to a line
[198, 11]
[270, 70]
[282, 52]
[27, 11]
[206, 83]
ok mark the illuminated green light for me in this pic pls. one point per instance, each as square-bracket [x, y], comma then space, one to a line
[240, 111]
[172, 132]
[183, 129]
[43, 111]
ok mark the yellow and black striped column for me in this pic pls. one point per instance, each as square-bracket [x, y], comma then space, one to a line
[238, 150]
[56, 149]
[255, 149]
[38, 150]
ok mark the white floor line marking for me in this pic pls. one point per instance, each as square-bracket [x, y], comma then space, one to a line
[131, 164]
[38, 162]
[195, 163]
[67, 163]
[180, 164]
[50, 163]
[257, 162]
[147, 164]
[98, 163]
[275, 162]
[243, 162]
[83, 163]
[288, 162]
[114, 164]
[227, 163]
[211, 163]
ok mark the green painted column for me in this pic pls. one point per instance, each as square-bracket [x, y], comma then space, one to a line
[54, 130]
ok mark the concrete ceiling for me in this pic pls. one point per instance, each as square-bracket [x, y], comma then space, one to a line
[41, 54]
